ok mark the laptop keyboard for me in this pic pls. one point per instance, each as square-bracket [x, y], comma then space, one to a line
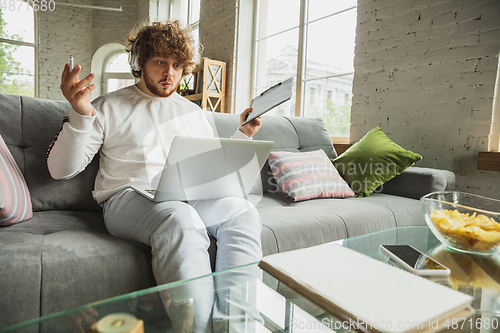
[152, 192]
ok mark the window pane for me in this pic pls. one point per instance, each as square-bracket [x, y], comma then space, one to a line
[322, 8]
[118, 64]
[196, 37]
[330, 45]
[330, 99]
[19, 24]
[277, 15]
[115, 84]
[17, 68]
[277, 61]
[194, 14]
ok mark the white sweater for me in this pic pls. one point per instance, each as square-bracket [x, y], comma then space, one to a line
[133, 133]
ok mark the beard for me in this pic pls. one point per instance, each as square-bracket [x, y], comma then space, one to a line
[155, 87]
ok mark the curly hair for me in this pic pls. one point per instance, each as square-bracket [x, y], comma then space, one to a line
[164, 39]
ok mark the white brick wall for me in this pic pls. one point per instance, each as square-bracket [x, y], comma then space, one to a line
[425, 72]
[113, 27]
[78, 32]
[142, 10]
[65, 31]
[217, 35]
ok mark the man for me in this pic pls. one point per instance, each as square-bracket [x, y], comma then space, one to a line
[132, 130]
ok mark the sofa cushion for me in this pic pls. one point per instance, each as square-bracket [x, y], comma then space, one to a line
[333, 219]
[95, 266]
[15, 201]
[294, 134]
[294, 227]
[50, 222]
[372, 161]
[406, 211]
[307, 175]
[415, 182]
[28, 126]
[67, 256]
[10, 121]
[313, 222]
[20, 276]
[312, 135]
[50, 194]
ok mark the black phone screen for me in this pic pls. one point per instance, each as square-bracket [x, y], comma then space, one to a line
[414, 258]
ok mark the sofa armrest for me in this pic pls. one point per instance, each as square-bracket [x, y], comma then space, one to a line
[416, 182]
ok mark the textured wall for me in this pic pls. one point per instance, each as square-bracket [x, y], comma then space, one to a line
[147, 10]
[63, 32]
[142, 10]
[78, 32]
[218, 20]
[112, 27]
[425, 73]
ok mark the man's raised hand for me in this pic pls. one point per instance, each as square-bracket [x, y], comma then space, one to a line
[77, 92]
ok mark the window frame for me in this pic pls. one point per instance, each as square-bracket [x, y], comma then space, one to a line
[175, 10]
[113, 75]
[490, 159]
[301, 78]
[35, 46]
[178, 10]
[494, 137]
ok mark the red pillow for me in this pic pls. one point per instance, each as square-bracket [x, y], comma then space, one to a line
[15, 200]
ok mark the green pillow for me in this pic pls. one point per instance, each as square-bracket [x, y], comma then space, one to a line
[372, 161]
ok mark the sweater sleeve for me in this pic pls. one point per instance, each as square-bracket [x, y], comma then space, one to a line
[240, 135]
[74, 146]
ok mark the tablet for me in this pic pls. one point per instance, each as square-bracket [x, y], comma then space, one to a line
[269, 99]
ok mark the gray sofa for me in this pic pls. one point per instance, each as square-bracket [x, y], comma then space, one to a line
[63, 257]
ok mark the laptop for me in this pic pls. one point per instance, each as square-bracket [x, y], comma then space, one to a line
[208, 168]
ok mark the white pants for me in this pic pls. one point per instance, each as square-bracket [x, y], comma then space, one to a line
[178, 234]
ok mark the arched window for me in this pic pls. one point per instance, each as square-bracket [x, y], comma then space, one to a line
[111, 69]
[18, 49]
[116, 73]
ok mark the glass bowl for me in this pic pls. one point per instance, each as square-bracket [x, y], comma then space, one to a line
[464, 222]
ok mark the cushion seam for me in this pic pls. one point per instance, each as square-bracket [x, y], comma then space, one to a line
[275, 238]
[296, 132]
[390, 209]
[23, 145]
[393, 214]
[345, 226]
[41, 278]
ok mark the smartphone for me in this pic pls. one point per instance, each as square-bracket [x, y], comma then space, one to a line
[71, 63]
[414, 261]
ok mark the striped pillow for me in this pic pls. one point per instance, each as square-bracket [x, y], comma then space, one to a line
[15, 200]
[303, 176]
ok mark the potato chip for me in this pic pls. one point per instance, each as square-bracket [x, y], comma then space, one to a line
[469, 232]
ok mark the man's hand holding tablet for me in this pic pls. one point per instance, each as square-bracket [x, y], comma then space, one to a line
[270, 99]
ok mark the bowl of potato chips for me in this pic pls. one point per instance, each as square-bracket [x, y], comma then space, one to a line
[464, 222]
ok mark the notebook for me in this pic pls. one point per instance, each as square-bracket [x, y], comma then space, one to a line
[199, 168]
[375, 295]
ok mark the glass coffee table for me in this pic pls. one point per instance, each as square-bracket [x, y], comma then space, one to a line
[249, 300]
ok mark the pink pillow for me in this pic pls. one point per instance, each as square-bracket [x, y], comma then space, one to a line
[15, 200]
[309, 175]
